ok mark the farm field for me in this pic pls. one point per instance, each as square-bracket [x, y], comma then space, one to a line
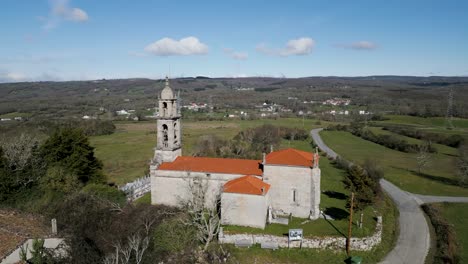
[431, 122]
[400, 168]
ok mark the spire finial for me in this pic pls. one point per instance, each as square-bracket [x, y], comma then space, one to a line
[167, 81]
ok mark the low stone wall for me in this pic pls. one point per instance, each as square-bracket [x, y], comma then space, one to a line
[362, 244]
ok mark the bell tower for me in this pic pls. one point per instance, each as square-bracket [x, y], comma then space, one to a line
[169, 144]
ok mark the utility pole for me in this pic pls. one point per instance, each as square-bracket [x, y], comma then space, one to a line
[348, 239]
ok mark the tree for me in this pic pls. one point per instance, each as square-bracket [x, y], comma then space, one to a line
[357, 180]
[203, 213]
[23, 160]
[375, 172]
[463, 164]
[70, 149]
[39, 254]
[422, 157]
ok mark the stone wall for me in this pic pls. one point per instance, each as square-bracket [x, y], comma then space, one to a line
[362, 244]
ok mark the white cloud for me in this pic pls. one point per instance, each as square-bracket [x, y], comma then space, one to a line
[363, 45]
[237, 55]
[61, 10]
[300, 46]
[359, 45]
[169, 47]
[8, 76]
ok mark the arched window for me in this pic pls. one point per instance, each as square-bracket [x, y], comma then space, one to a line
[164, 108]
[165, 136]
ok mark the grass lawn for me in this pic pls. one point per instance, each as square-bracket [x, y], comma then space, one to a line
[457, 215]
[438, 178]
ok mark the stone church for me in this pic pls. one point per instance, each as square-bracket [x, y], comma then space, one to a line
[284, 182]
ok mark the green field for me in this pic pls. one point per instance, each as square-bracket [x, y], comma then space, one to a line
[437, 122]
[438, 178]
[15, 114]
[457, 215]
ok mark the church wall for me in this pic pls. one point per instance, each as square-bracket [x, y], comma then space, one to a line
[316, 191]
[244, 209]
[292, 189]
[169, 187]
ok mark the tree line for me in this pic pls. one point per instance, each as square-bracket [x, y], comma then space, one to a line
[389, 141]
[249, 143]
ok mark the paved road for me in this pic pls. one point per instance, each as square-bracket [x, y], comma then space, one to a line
[318, 140]
[414, 239]
[422, 199]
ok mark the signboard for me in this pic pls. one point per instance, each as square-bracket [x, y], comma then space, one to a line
[295, 234]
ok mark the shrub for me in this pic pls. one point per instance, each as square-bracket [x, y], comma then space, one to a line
[107, 192]
[446, 241]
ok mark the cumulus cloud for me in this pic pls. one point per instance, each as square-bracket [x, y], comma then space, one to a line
[170, 47]
[359, 45]
[61, 10]
[237, 55]
[300, 46]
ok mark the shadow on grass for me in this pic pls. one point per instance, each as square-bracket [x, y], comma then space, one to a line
[336, 213]
[336, 195]
[440, 179]
[334, 227]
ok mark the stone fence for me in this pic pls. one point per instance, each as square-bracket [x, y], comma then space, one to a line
[137, 188]
[362, 244]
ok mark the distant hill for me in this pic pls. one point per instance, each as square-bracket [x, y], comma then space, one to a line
[405, 94]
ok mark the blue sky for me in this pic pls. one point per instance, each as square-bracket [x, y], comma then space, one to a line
[89, 39]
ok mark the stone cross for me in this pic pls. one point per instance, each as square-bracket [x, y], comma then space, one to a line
[54, 226]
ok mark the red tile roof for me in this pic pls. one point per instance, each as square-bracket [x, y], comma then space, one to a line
[290, 156]
[214, 165]
[247, 185]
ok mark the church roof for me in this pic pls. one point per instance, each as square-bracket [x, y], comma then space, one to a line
[214, 165]
[291, 157]
[247, 185]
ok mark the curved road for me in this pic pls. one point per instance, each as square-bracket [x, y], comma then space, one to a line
[414, 239]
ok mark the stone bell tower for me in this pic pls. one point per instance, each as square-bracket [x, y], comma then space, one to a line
[169, 144]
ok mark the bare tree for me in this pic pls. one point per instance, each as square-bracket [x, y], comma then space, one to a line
[203, 212]
[19, 150]
[20, 154]
[422, 157]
